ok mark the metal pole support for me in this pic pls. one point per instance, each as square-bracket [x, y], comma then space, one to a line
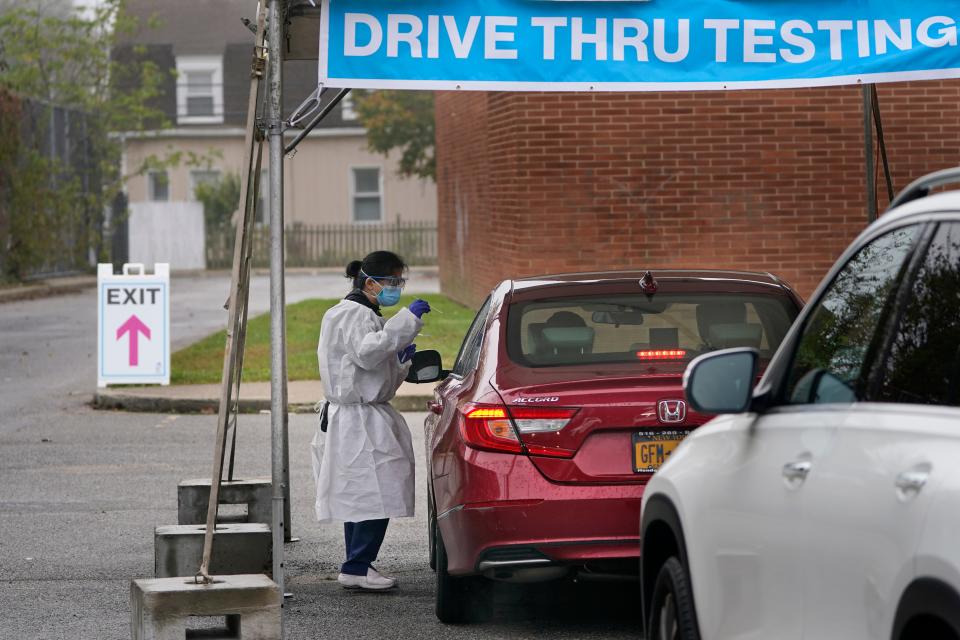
[278, 375]
[237, 316]
[870, 162]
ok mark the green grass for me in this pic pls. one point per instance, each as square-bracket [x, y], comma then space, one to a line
[202, 362]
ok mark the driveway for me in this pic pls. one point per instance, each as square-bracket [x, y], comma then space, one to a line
[84, 490]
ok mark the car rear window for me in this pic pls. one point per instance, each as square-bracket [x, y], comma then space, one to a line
[635, 328]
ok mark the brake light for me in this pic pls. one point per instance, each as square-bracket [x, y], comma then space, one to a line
[489, 428]
[662, 354]
[541, 419]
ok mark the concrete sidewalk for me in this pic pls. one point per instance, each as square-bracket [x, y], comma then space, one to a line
[254, 398]
[46, 288]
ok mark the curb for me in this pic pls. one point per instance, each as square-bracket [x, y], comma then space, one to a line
[34, 292]
[146, 404]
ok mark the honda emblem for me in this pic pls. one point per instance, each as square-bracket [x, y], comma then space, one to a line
[672, 411]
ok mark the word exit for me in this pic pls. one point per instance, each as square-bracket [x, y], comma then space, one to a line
[136, 296]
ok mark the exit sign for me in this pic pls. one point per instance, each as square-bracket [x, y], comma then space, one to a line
[133, 326]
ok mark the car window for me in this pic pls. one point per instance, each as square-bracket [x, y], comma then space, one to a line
[469, 354]
[828, 365]
[923, 366]
[634, 328]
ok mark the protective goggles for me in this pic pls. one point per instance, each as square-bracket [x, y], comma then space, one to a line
[387, 281]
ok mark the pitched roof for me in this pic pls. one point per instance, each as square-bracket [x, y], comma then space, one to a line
[171, 28]
[193, 27]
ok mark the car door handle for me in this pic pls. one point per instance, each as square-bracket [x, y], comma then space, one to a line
[797, 471]
[434, 407]
[912, 481]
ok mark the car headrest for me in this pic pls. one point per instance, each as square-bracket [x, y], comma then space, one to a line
[565, 339]
[566, 319]
[741, 334]
[535, 336]
[712, 313]
[664, 337]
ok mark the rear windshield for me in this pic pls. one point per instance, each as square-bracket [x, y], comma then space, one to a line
[635, 328]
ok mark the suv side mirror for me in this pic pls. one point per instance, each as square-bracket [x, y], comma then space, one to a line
[427, 367]
[722, 382]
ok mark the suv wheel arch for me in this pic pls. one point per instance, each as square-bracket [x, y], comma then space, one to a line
[661, 538]
[929, 609]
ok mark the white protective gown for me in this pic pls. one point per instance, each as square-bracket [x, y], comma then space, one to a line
[363, 464]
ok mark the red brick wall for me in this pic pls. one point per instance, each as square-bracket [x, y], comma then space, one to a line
[759, 180]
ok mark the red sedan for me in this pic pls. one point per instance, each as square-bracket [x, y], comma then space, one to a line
[564, 400]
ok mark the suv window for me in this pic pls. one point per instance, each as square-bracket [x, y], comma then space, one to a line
[469, 354]
[829, 361]
[923, 366]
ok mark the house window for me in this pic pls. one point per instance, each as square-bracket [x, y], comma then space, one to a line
[199, 177]
[199, 89]
[158, 186]
[367, 196]
[347, 110]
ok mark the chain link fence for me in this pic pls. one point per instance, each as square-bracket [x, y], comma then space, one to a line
[49, 222]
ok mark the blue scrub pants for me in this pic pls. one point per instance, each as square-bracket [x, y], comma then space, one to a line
[363, 544]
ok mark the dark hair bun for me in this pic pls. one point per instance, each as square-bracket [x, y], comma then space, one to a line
[353, 269]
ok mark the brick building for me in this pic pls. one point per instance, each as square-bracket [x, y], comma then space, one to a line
[758, 180]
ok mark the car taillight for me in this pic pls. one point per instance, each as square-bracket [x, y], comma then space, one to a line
[662, 354]
[488, 428]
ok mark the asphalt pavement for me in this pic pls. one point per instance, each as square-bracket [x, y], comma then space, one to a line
[82, 494]
[83, 491]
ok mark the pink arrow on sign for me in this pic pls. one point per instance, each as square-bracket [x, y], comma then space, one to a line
[134, 327]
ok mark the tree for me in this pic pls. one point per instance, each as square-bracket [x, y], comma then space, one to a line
[401, 120]
[56, 67]
[220, 201]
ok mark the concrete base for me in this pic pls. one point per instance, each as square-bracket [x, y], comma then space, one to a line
[237, 549]
[193, 498]
[161, 609]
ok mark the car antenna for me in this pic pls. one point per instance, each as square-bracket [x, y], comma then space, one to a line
[649, 284]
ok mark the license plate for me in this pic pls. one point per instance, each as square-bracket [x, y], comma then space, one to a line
[652, 448]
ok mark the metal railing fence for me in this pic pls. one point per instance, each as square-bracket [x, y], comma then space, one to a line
[331, 245]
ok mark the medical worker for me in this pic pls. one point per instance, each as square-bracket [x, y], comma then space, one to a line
[363, 463]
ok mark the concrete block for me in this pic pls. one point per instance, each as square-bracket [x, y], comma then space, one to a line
[237, 549]
[193, 498]
[161, 609]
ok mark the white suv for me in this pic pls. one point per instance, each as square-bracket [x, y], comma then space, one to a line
[826, 503]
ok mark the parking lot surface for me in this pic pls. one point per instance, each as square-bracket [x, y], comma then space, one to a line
[83, 491]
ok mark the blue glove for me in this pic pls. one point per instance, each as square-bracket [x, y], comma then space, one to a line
[419, 307]
[407, 354]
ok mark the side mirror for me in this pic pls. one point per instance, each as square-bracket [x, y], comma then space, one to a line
[722, 382]
[427, 367]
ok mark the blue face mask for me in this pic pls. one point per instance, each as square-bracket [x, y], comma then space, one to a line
[388, 296]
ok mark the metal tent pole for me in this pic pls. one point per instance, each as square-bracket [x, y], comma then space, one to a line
[871, 168]
[278, 378]
[883, 145]
[239, 296]
[317, 119]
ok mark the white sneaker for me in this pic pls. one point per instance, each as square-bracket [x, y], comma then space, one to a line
[373, 581]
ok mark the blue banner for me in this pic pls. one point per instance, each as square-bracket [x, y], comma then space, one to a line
[624, 45]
